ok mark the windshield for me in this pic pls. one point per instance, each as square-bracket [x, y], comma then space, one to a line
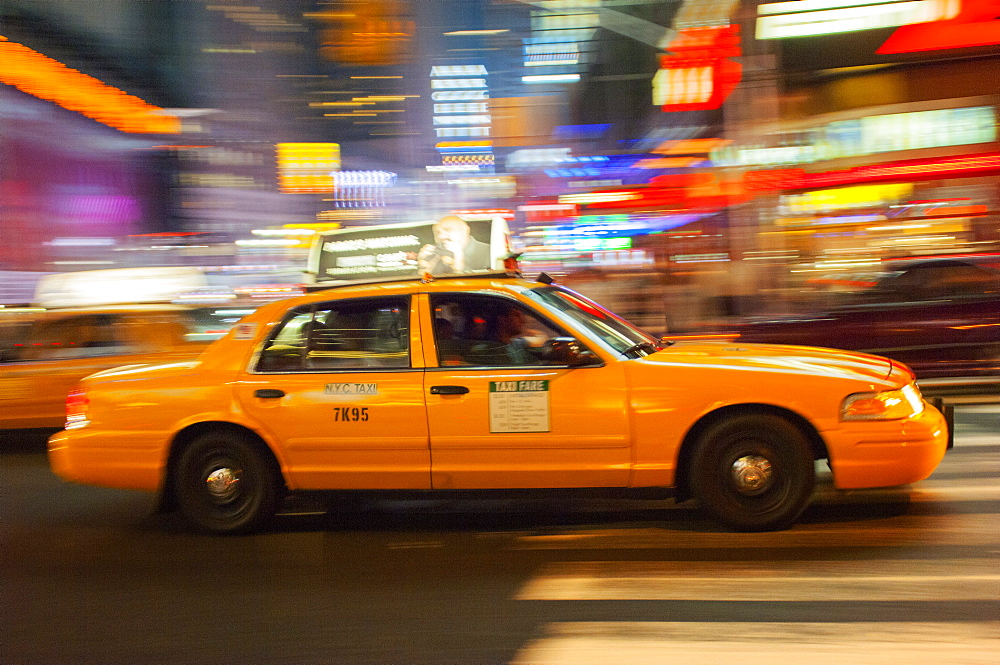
[615, 331]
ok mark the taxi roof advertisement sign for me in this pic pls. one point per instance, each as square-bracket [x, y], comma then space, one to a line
[447, 246]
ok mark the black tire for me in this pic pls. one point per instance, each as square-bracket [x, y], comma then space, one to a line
[224, 484]
[753, 472]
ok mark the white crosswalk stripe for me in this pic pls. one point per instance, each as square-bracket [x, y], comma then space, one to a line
[975, 529]
[681, 643]
[810, 581]
[951, 514]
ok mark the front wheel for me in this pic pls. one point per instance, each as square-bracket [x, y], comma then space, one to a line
[224, 484]
[753, 472]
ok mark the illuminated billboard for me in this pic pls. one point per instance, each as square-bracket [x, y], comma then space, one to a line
[450, 245]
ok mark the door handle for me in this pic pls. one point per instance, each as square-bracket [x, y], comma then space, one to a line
[448, 390]
[269, 393]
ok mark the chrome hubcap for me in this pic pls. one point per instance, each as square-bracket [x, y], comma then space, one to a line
[222, 483]
[751, 474]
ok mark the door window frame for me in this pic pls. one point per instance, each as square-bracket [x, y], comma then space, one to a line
[406, 306]
[537, 313]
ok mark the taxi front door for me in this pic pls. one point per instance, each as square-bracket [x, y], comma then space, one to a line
[525, 427]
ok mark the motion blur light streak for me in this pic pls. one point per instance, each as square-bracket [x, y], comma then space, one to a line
[941, 168]
[45, 78]
[804, 18]
[977, 24]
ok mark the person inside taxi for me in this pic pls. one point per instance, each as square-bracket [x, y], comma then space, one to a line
[508, 344]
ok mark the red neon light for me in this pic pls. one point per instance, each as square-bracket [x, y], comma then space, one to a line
[695, 53]
[976, 25]
[956, 211]
[952, 167]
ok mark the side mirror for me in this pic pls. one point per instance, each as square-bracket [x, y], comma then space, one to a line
[568, 351]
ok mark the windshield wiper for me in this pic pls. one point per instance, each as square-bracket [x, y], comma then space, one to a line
[648, 347]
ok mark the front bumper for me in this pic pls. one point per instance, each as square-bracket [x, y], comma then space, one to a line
[887, 453]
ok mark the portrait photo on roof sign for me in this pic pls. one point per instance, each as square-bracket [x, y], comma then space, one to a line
[447, 246]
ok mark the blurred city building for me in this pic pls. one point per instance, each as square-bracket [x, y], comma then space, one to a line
[687, 162]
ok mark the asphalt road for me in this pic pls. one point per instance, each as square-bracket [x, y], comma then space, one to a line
[901, 576]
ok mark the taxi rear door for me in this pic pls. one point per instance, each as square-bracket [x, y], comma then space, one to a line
[338, 389]
[517, 426]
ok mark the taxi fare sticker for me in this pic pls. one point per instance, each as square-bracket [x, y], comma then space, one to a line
[519, 406]
[244, 331]
[351, 389]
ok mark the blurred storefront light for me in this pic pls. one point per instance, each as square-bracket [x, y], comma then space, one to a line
[469, 33]
[268, 242]
[452, 84]
[551, 78]
[465, 116]
[459, 95]
[283, 232]
[452, 168]
[869, 135]
[598, 197]
[529, 158]
[845, 198]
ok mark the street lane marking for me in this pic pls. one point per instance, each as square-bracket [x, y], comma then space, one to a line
[766, 581]
[763, 643]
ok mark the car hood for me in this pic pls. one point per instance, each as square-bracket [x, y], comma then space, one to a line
[783, 358]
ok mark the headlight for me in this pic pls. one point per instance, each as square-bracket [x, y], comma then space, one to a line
[887, 405]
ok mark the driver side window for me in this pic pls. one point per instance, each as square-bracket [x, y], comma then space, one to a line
[488, 331]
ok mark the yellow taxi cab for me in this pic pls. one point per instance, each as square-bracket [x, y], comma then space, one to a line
[490, 381]
[45, 352]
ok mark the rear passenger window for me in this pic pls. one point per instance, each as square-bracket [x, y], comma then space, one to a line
[370, 333]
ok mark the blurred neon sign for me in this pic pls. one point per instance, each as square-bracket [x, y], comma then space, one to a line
[306, 167]
[845, 198]
[699, 73]
[917, 169]
[41, 76]
[807, 18]
[975, 25]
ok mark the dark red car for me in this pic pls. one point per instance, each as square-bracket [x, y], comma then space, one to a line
[940, 316]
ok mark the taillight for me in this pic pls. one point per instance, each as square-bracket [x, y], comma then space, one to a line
[76, 409]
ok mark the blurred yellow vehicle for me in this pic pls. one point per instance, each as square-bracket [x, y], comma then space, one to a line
[44, 353]
[490, 382]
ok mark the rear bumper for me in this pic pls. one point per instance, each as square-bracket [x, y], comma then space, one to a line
[887, 453]
[83, 456]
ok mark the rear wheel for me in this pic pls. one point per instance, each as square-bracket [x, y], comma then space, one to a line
[224, 484]
[753, 472]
